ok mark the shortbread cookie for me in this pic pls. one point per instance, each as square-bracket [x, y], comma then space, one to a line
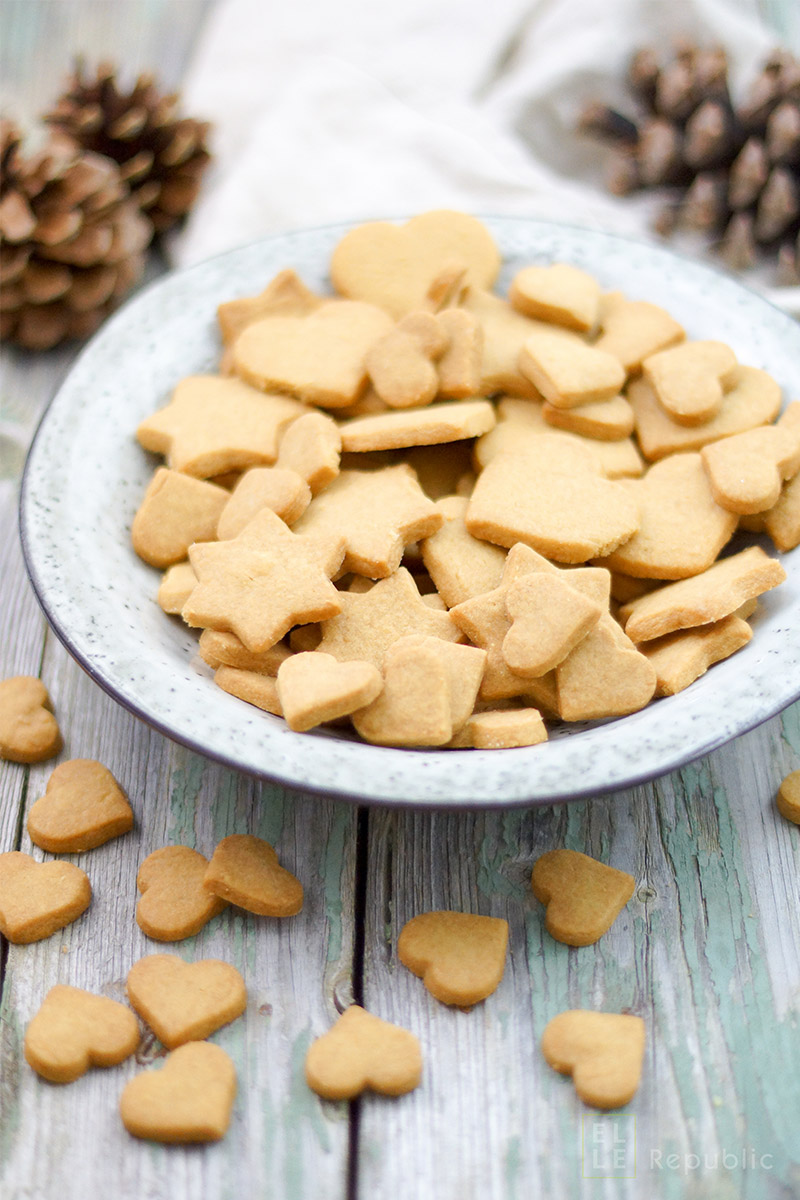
[36, 899]
[184, 1002]
[505, 332]
[174, 904]
[188, 1100]
[459, 957]
[29, 731]
[788, 798]
[318, 358]
[218, 648]
[559, 293]
[603, 1053]
[607, 420]
[568, 372]
[311, 447]
[176, 510]
[459, 367]
[604, 676]
[682, 527]
[401, 363]
[83, 807]
[633, 330]
[689, 380]
[245, 871]
[548, 618]
[747, 471]
[502, 730]
[394, 265]
[680, 658]
[376, 513]
[315, 687]
[75, 1030]
[284, 492]
[424, 427]
[782, 521]
[262, 582]
[371, 622]
[286, 295]
[753, 399]
[460, 565]
[429, 690]
[583, 897]
[362, 1052]
[214, 424]
[565, 517]
[176, 588]
[715, 594]
[251, 686]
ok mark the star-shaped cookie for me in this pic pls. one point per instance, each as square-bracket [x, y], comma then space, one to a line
[215, 424]
[261, 583]
[377, 512]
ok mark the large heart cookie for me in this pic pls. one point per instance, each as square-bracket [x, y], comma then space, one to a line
[75, 1030]
[28, 730]
[459, 957]
[360, 1052]
[583, 896]
[174, 903]
[394, 265]
[601, 1051]
[245, 870]
[183, 1002]
[188, 1100]
[83, 807]
[36, 898]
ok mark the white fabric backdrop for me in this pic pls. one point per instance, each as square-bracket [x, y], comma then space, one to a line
[357, 110]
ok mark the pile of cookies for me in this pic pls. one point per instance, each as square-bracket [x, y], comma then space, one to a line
[442, 516]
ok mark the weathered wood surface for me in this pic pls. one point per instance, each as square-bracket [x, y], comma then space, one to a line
[708, 951]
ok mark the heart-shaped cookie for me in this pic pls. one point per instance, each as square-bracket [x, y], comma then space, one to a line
[183, 1002]
[83, 807]
[245, 871]
[394, 265]
[74, 1030]
[315, 687]
[174, 903]
[188, 1100]
[604, 676]
[788, 799]
[459, 957]
[37, 898]
[28, 730]
[602, 1052]
[583, 896]
[361, 1052]
[319, 358]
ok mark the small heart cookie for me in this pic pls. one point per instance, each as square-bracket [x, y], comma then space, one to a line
[184, 1002]
[188, 1100]
[74, 1030]
[788, 800]
[361, 1052]
[245, 870]
[602, 1052]
[174, 903]
[315, 687]
[83, 807]
[36, 899]
[459, 957]
[583, 896]
[28, 730]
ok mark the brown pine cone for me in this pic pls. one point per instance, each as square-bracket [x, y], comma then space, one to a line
[161, 156]
[71, 240]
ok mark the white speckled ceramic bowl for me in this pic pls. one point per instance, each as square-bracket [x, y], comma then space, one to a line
[86, 474]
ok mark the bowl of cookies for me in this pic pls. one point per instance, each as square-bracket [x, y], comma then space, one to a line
[440, 511]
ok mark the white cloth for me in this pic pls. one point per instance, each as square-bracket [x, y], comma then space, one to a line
[360, 111]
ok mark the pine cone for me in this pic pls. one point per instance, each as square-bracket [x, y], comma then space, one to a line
[732, 170]
[71, 240]
[161, 157]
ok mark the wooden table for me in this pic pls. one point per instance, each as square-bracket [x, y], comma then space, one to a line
[708, 950]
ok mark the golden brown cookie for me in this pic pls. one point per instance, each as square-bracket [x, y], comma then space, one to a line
[548, 618]
[36, 899]
[632, 330]
[788, 798]
[460, 565]
[604, 676]
[747, 471]
[252, 686]
[188, 1100]
[28, 730]
[176, 510]
[285, 492]
[583, 897]
[174, 904]
[568, 372]
[502, 730]
[245, 871]
[460, 957]
[559, 293]
[438, 423]
[362, 1052]
[83, 807]
[680, 658]
[176, 588]
[75, 1030]
[689, 380]
[286, 295]
[311, 447]
[603, 1053]
[315, 687]
[184, 1002]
